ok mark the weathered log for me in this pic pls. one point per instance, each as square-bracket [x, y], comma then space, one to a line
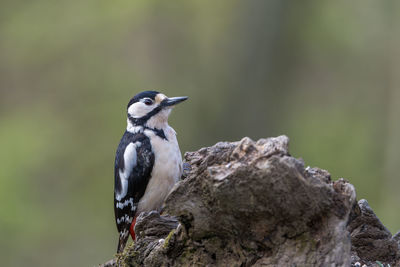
[252, 204]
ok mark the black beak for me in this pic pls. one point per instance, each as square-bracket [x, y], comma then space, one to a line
[171, 101]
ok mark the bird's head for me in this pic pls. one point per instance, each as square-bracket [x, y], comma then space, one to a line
[151, 109]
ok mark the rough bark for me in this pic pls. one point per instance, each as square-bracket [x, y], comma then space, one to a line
[371, 241]
[251, 204]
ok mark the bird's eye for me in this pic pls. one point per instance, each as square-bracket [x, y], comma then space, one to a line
[148, 102]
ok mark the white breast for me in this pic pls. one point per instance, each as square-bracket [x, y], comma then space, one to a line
[166, 172]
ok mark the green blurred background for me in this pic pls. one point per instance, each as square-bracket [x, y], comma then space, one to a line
[325, 73]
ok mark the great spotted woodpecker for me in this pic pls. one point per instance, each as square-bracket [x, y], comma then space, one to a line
[148, 161]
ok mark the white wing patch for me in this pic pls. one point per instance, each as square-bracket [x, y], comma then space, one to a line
[130, 160]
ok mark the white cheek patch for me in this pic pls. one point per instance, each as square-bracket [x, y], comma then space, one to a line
[139, 109]
[130, 160]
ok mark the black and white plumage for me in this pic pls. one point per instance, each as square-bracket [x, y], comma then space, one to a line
[148, 161]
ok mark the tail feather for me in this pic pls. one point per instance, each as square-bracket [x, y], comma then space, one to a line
[124, 236]
[123, 239]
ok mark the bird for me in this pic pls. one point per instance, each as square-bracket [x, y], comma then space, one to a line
[148, 161]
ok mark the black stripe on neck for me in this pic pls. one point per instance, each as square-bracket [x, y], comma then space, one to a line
[142, 121]
[159, 132]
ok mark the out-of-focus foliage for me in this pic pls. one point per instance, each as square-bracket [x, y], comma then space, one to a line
[326, 73]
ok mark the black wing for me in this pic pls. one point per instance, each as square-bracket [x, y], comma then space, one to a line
[133, 165]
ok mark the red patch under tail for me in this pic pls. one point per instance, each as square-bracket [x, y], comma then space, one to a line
[132, 230]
